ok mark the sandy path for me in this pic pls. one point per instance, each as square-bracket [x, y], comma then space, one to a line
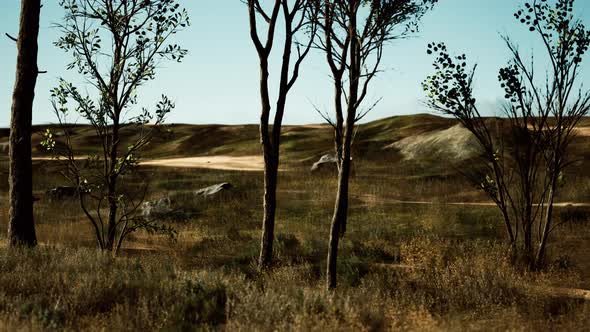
[231, 163]
[583, 131]
[372, 200]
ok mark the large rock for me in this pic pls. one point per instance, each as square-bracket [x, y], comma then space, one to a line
[157, 208]
[327, 162]
[214, 189]
[453, 144]
[61, 192]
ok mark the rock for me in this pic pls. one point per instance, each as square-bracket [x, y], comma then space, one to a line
[453, 144]
[327, 162]
[214, 189]
[157, 208]
[62, 192]
[4, 148]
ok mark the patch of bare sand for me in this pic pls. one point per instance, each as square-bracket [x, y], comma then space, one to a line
[316, 126]
[583, 131]
[372, 200]
[231, 163]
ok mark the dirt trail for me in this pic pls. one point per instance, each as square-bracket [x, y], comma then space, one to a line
[583, 131]
[228, 163]
[231, 163]
[372, 200]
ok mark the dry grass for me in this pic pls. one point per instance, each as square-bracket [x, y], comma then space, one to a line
[402, 267]
[459, 285]
[433, 267]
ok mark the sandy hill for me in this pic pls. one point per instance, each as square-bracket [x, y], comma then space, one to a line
[423, 139]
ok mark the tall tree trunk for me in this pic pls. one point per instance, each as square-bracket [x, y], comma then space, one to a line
[338, 225]
[340, 217]
[272, 151]
[21, 225]
[270, 207]
[112, 221]
[270, 177]
[339, 125]
[112, 188]
[527, 225]
[503, 204]
[540, 256]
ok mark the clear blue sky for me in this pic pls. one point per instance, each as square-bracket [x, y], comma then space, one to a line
[218, 81]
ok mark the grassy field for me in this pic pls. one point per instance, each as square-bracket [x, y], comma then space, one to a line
[425, 266]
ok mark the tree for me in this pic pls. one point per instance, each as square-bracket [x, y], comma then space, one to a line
[136, 34]
[354, 34]
[21, 224]
[297, 20]
[526, 162]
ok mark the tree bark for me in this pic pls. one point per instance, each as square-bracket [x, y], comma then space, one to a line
[21, 224]
[270, 177]
[271, 141]
[112, 188]
[337, 227]
[270, 138]
[340, 217]
[270, 207]
[540, 256]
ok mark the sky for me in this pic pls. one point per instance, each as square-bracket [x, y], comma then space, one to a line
[218, 81]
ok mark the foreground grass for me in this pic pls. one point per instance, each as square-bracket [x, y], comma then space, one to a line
[455, 285]
[401, 267]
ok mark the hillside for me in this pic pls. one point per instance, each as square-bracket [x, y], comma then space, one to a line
[428, 142]
[299, 143]
[413, 219]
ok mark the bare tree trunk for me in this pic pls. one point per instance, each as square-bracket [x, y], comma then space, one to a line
[503, 204]
[21, 225]
[339, 125]
[112, 188]
[112, 221]
[340, 217]
[338, 225]
[270, 139]
[270, 177]
[528, 233]
[540, 257]
[270, 207]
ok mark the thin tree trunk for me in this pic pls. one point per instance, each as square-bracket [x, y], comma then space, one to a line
[269, 204]
[21, 225]
[505, 215]
[270, 207]
[547, 228]
[271, 152]
[528, 233]
[112, 221]
[338, 219]
[339, 125]
[112, 188]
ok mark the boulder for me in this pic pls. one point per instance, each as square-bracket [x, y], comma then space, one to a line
[157, 208]
[453, 144]
[214, 189]
[61, 192]
[327, 162]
